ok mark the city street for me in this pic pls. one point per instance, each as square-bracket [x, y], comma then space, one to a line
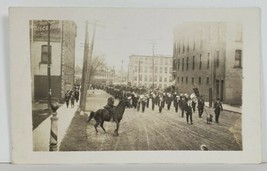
[152, 130]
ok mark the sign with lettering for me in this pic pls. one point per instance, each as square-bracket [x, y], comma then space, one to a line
[40, 30]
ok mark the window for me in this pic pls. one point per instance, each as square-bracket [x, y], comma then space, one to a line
[178, 64]
[193, 80]
[44, 54]
[145, 69]
[193, 64]
[208, 61]
[170, 79]
[165, 79]
[217, 58]
[135, 78]
[178, 79]
[186, 80]
[199, 80]
[170, 70]
[208, 80]
[182, 80]
[140, 77]
[160, 70]
[166, 70]
[200, 62]
[179, 50]
[182, 64]
[135, 68]
[183, 47]
[238, 58]
[155, 78]
[166, 61]
[187, 63]
[156, 69]
[145, 77]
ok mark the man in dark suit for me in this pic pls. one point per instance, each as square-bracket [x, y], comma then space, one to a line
[200, 106]
[217, 109]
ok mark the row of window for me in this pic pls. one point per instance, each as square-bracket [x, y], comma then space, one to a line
[146, 78]
[150, 85]
[146, 69]
[183, 64]
[193, 80]
[149, 60]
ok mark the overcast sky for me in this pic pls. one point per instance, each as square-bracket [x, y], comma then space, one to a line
[128, 32]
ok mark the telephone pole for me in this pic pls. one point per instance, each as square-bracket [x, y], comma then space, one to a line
[153, 62]
[86, 75]
[85, 64]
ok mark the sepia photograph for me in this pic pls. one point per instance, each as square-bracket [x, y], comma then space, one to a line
[133, 80]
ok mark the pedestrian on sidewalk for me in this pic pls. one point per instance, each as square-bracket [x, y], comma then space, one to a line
[77, 94]
[217, 109]
[72, 98]
[67, 98]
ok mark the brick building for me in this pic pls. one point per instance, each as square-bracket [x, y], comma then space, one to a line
[141, 71]
[208, 56]
[62, 38]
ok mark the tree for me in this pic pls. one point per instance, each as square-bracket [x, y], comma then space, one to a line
[95, 63]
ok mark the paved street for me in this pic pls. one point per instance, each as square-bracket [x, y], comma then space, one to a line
[152, 131]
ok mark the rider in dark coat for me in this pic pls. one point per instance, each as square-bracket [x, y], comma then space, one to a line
[110, 106]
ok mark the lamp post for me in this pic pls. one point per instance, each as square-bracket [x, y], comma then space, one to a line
[49, 66]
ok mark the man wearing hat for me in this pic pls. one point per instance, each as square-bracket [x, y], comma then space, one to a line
[109, 106]
[217, 109]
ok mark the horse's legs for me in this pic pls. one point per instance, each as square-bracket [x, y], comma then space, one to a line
[116, 132]
[96, 125]
[102, 126]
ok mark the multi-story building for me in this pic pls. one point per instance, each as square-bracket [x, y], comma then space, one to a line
[62, 44]
[208, 56]
[141, 71]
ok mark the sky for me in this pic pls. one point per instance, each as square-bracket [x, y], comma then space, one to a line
[128, 32]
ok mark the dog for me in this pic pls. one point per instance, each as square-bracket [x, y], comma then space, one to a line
[209, 119]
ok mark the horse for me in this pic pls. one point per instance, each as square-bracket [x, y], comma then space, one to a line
[102, 115]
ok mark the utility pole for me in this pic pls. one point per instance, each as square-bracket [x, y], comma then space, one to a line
[153, 62]
[84, 71]
[121, 71]
[49, 66]
[86, 75]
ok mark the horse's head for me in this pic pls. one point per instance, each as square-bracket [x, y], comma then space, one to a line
[127, 102]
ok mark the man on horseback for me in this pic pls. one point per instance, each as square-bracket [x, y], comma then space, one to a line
[109, 106]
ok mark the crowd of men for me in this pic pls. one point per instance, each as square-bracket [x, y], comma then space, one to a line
[72, 96]
[183, 103]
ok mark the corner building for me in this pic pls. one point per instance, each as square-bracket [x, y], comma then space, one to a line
[208, 56]
[62, 41]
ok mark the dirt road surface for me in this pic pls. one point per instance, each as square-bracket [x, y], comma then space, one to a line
[152, 130]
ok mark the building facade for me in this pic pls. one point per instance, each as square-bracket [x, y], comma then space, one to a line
[62, 45]
[208, 56]
[141, 72]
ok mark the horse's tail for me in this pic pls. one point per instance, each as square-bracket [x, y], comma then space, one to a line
[92, 114]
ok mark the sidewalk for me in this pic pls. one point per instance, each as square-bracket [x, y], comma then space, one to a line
[229, 108]
[41, 134]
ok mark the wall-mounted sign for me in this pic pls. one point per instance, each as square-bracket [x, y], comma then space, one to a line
[40, 30]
